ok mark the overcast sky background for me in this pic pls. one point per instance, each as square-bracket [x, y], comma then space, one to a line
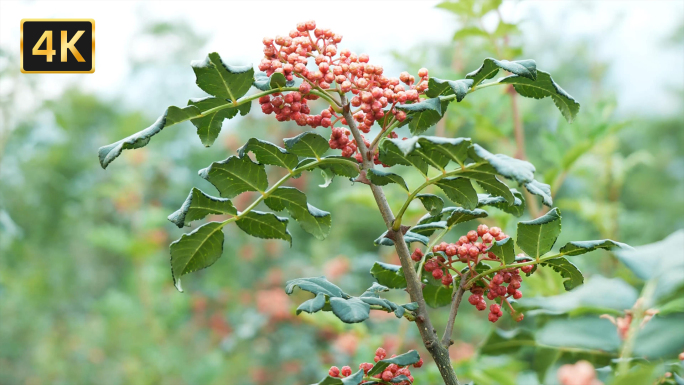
[642, 67]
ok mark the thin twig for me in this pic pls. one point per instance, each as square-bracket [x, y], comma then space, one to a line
[455, 303]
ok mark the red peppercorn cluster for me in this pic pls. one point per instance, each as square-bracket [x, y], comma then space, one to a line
[373, 91]
[387, 375]
[472, 249]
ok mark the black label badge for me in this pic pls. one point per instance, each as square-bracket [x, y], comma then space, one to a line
[57, 46]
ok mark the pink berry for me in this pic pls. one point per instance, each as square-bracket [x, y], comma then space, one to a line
[387, 376]
[493, 317]
[420, 363]
[346, 371]
[423, 72]
[472, 236]
[518, 294]
[494, 231]
[437, 274]
[334, 371]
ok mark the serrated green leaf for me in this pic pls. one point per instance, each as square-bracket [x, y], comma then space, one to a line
[573, 277]
[224, 81]
[214, 112]
[583, 247]
[266, 83]
[485, 176]
[425, 114]
[406, 359]
[540, 189]
[526, 69]
[428, 228]
[236, 175]
[314, 221]
[432, 203]
[438, 87]
[340, 166]
[354, 379]
[517, 208]
[171, 116]
[352, 310]
[196, 250]
[264, 225]
[198, 205]
[395, 151]
[459, 215]
[454, 149]
[268, 153]
[312, 305]
[543, 87]
[409, 238]
[504, 249]
[460, 191]
[537, 237]
[388, 275]
[519, 170]
[315, 285]
[308, 144]
[437, 296]
[383, 178]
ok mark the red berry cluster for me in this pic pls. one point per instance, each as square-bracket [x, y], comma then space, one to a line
[353, 73]
[387, 375]
[472, 249]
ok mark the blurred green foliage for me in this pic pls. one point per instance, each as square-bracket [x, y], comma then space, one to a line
[85, 288]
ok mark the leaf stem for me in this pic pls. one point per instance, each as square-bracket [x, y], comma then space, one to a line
[513, 266]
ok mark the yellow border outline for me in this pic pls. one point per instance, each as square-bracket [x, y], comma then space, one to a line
[21, 48]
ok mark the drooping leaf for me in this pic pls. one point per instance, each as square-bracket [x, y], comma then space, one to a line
[171, 116]
[198, 205]
[222, 80]
[437, 296]
[264, 225]
[350, 310]
[388, 275]
[543, 87]
[432, 203]
[315, 285]
[383, 178]
[424, 114]
[573, 277]
[537, 237]
[269, 153]
[540, 189]
[214, 112]
[460, 191]
[583, 247]
[519, 170]
[409, 238]
[439, 87]
[406, 359]
[517, 208]
[459, 215]
[266, 83]
[395, 151]
[485, 175]
[314, 221]
[504, 249]
[196, 250]
[428, 228]
[312, 305]
[526, 69]
[340, 166]
[308, 144]
[236, 175]
[454, 149]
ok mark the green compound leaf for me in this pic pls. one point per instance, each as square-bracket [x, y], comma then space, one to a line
[526, 69]
[439, 87]
[583, 247]
[544, 87]
[222, 80]
[537, 237]
[460, 191]
[454, 149]
[405, 359]
[266, 83]
[354, 379]
[396, 151]
[314, 221]
[517, 208]
[313, 305]
[437, 296]
[269, 153]
[485, 176]
[573, 277]
[307, 144]
[383, 178]
[315, 285]
[236, 175]
[264, 225]
[409, 238]
[432, 203]
[540, 189]
[389, 275]
[198, 205]
[511, 168]
[504, 249]
[196, 250]
[454, 215]
[209, 124]
[428, 228]
[171, 116]
[424, 117]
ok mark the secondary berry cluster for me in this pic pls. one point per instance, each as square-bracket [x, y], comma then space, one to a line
[472, 249]
[390, 373]
[375, 95]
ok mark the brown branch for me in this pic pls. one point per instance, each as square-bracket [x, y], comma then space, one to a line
[455, 303]
[439, 353]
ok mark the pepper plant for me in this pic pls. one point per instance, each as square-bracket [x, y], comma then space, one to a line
[363, 112]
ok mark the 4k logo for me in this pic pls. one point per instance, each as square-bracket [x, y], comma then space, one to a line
[57, 46]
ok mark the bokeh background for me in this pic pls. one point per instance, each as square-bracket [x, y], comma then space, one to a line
[86, 294]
